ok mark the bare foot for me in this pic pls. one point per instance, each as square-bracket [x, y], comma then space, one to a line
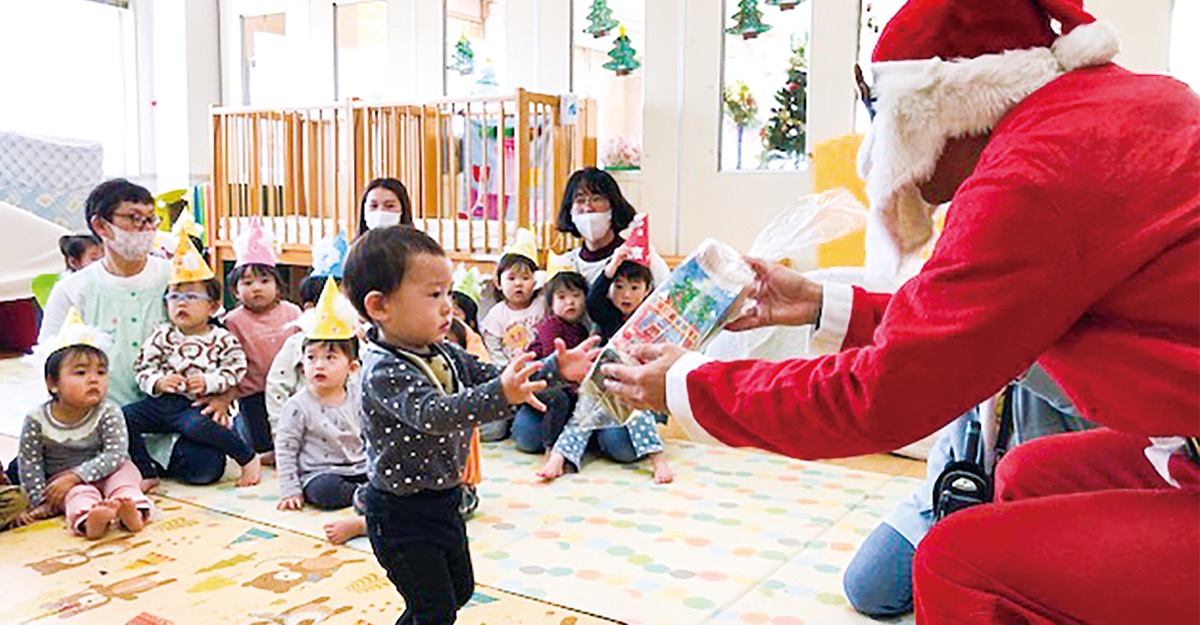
[98, 518]
[251, 473]
[149, 485]
[662, 471]
[130, 516]
[342, 530]
[553, 469]
[267, 459]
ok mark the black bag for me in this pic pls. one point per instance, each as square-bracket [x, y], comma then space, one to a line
[965, 483]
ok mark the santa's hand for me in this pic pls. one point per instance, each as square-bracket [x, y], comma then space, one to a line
[643, 386]
[782, 297]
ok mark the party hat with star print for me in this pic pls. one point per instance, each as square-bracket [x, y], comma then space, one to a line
[188, 265]
[329, 256]
[558, 263]
[336, 316]
[523, 244]
[638, 242]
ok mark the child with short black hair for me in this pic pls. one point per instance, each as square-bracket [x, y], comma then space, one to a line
[78, 442]
[261, 322]
[189, 357]
[420, 398]
[80, 250]
[616, 294]
[535, 431]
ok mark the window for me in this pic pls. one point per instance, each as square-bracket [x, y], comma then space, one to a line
[360, 50]
[619, 96]
[764, 91]
[80, 83]
[475, 48]
[874, 15]
[1184, 62]
[265, 65]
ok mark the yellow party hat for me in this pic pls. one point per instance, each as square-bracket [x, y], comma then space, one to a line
[336, 316]
[188, 265]
[75, 331]
[523, 244]
[558, 263]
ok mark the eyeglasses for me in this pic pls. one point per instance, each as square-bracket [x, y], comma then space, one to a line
[864, 92]
[593, 200]
[141, 222]
[187, 298]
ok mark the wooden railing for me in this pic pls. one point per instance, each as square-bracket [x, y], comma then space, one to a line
[472, 175]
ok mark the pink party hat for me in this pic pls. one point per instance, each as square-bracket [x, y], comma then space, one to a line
[639, 241]
[254, 246]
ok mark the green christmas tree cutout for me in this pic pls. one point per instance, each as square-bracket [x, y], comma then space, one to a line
[622, 55]
[784, 5]
[464, 57]
[601, 20]
[785, 135]
[748, 20]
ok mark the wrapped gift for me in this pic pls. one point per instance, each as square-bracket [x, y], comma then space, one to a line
[687, 310]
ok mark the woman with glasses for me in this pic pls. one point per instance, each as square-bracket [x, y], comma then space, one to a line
[122, 294]
[594, 209]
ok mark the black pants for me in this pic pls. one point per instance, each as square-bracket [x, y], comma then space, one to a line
[198, 456]
[254, 425]
[330, 491]
[421, 541]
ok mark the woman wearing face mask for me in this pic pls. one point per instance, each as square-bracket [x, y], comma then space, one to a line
[384, 203]
[122, 295]
[594, 210]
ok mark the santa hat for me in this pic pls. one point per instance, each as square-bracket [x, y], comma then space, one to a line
[335, 316]
[638, 241]
[254, 246]
[188, 265]
[952, 68]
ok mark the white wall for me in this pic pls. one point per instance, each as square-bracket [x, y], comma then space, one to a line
[679, 184]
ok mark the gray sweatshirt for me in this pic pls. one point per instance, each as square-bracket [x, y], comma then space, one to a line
[419, 409]
[93, 448]
[313, 438]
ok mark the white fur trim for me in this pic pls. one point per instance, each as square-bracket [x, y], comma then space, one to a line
[679, 404]
[920, 105]
[1087, 45]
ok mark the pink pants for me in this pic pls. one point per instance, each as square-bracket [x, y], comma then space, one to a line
[124, 483]
[1084, 531]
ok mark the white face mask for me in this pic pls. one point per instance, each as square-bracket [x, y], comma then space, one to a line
[592, 226]
[131, 245]
[381, 219]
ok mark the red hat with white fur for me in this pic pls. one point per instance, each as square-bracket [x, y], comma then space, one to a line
[951, 68]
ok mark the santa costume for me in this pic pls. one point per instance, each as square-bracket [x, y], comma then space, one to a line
[1074, 243]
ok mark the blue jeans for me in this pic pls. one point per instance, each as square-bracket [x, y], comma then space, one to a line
[534, 431]
[878, 581]
[330, 491]
[252, 423]
[198, 456]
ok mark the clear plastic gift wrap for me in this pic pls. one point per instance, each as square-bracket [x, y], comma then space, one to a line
[704, 292]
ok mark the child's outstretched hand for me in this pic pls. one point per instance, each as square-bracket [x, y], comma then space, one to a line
[291, 503]
[515, 382]
[574, 364]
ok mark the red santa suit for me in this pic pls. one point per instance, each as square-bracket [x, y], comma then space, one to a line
[1075, 243]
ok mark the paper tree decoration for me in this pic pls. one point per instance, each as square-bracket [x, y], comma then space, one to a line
[469, 282]
[464, 57]
[523, 244]
[188, 265]
[336, 316]
[329, 256]
[254, 246]
[748, 20]
[784, 5]
[622, 55]
[600, 20]
[638, 242]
